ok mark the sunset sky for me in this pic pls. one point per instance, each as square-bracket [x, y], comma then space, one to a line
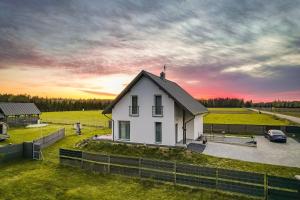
[92, 49]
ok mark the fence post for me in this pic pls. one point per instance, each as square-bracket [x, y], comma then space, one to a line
[266, 185]
[140, 168]
[228, 129]
[217, 177]
[81, 159]
[175, 173]
[108, 169]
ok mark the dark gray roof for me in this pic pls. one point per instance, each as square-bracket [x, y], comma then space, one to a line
[179, 95]
[19, 109]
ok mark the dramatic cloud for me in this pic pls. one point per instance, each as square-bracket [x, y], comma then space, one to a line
[247, 49]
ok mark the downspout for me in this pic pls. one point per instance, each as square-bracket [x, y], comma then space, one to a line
[184, 125]
[112, 126]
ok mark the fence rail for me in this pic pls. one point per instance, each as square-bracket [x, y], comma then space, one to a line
[246, 128]
[50, 139]
[247, 183]
[29, 150]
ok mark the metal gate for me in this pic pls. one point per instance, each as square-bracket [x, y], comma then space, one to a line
[37, 151]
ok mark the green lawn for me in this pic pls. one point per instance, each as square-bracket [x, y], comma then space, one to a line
[48, 180]
[19, 135]
[45, 180]
[182, 155]
[229, 109]
[94, 118]
[250, 118]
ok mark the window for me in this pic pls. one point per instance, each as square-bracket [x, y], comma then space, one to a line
[158, 132]
[157, 109]
[134, 108]
[124, 130]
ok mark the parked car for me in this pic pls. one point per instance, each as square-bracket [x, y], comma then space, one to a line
[276, 136]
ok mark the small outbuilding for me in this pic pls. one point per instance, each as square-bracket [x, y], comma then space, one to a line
[19, 114]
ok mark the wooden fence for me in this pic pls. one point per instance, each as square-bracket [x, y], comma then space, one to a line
[245, 183]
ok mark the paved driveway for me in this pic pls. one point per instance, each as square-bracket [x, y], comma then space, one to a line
[266, 152]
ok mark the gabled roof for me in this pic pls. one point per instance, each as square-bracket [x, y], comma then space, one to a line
[179, 95]
[9, 109]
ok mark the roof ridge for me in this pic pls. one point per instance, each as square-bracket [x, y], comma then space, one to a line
[174, 90]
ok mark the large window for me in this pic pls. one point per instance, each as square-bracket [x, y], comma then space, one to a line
[158, 132]
[157, 109]
[134, 105]
[124, 130]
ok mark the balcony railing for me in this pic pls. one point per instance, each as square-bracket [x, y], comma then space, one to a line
[134, 111]
[157, 111]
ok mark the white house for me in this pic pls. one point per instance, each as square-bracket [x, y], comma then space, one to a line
[154, 110]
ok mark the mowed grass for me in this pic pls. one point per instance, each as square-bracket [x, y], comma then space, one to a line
[94, 118]
[181, 155]
[19, 135]
[36, 180]
[241, 116]
[46, 179]
[228, 110]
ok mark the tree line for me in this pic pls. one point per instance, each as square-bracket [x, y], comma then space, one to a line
[278, 104]
[225, 103]
[64, 104]
[57, 104]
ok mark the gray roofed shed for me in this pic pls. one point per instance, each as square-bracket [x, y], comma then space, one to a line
[11, 109]
[179, 95]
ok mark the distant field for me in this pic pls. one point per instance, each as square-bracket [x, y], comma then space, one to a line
[239, 116]
[285, 111]
[295, 114]
[21, 134]
[228, 109]
[216, 116]
[94, 118]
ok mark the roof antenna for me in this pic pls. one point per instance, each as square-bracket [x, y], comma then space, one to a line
[163, 73]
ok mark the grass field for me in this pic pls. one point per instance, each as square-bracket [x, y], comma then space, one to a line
[48, 180]
[94, 118]
[229, 110]
[295, 114]
[19, 135]
[241, 116]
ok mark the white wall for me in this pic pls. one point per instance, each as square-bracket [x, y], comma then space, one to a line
[198, 126]
[142, 127]
[178, 120]
[194, 128]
